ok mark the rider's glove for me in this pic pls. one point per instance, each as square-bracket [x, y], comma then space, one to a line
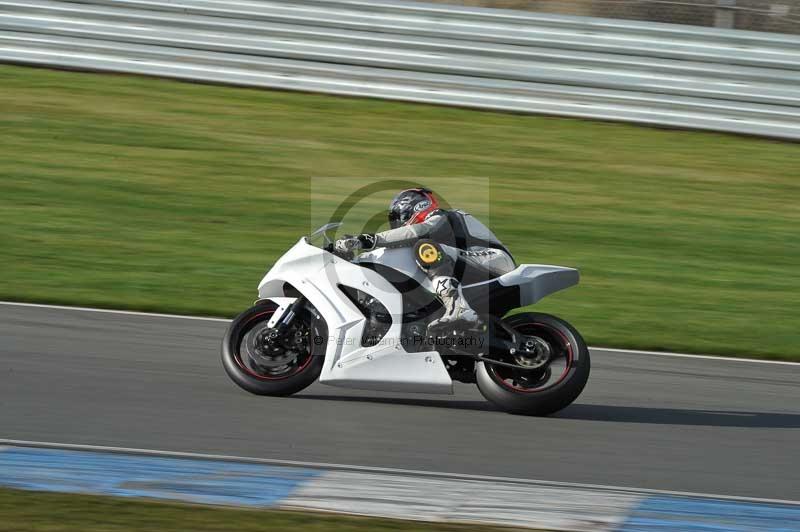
[348, 244]
[351, 244]
[367, 240]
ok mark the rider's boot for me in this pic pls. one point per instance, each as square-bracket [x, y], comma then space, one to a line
[456, 308]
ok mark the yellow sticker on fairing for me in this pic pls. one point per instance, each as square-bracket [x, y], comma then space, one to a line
[428, 253]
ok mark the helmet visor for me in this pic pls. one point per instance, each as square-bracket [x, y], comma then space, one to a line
[395, 219]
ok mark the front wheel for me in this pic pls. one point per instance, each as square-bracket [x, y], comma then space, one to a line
[262, 364]
[559, 367]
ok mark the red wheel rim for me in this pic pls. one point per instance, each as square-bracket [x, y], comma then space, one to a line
[238, 355]
[502, 375]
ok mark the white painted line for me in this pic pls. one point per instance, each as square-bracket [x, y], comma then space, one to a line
[387, 470]
[688, 355]
[611, 350]
[467, 501]
[112, 311]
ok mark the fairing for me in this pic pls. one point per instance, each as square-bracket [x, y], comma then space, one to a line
[316, 274]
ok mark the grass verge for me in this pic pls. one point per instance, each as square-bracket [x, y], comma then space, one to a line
[27, 511]
[128, 192]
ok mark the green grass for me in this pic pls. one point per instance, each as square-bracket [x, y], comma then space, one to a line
[24, 511]
[127, 192]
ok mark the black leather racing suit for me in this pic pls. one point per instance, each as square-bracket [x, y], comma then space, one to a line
[473, 252]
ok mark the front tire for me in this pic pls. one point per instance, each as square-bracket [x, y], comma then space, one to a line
[282, 374]
[546, 389]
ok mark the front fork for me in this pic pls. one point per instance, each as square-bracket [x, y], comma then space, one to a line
[279, 333]
[289, 315]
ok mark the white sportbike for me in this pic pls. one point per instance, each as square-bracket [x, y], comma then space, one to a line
[363, 323]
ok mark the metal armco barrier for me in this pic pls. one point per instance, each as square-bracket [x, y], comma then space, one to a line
[640, 72]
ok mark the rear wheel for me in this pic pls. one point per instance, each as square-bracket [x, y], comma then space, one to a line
[556, 367]
[261, 363]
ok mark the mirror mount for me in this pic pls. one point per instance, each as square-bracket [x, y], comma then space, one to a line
[324, 232]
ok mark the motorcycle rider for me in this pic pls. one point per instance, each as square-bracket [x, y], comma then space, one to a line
[451, 246]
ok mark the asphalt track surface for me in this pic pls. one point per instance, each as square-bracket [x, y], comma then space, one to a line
[657, 422]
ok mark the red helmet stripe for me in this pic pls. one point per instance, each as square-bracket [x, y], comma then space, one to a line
[421, 215]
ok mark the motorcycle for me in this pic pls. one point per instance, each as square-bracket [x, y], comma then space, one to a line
[362, 322]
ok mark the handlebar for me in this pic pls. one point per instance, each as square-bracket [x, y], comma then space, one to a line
[348, 256]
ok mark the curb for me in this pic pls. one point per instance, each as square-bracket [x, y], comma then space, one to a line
[396, 494]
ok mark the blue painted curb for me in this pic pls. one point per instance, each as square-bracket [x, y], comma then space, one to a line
[683, 514]
[200, 481]
[400, 496]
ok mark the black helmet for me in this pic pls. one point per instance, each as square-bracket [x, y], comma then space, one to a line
[411, 206]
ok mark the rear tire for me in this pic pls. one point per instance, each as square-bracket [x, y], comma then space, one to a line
[513, 393]
[247, 375]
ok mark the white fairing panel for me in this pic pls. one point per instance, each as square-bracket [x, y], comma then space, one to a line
[386, 366]
[536, 281]
[400, 259]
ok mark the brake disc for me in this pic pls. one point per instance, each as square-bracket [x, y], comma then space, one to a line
[533, 353]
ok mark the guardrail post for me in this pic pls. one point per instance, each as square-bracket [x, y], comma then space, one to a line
[725, 14]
